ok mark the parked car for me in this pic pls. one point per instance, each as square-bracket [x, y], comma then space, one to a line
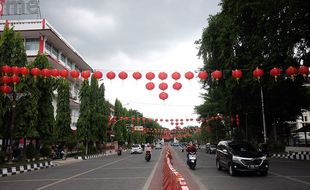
[210, 148]
[238, 156]
[136, 149]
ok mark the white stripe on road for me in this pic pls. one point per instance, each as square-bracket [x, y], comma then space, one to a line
[148, 182]
[66, 179]
[290, 178]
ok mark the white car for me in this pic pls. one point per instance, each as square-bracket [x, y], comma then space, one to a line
[158, 146]
[136, 148]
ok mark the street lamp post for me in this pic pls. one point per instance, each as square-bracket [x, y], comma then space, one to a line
[263, 113]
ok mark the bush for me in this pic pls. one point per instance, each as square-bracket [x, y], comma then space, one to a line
[30, 152]
[277, 147]
[46, 151]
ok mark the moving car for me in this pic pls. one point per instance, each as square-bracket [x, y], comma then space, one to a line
[240, 157]
[158, 146]
[136, 149]
[210, 148]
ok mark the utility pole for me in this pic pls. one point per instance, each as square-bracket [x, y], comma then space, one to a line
[263, 113]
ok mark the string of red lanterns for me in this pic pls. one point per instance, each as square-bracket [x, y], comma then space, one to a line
[275, 72]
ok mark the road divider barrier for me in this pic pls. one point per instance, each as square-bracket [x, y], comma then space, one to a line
[173, 180]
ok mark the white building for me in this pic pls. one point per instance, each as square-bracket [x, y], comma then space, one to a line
[40, 36]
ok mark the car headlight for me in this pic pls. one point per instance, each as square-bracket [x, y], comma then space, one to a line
[237, 159]
[263, 157]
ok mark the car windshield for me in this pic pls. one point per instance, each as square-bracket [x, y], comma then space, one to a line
[242, 147]
[135, 146]
[213, 146]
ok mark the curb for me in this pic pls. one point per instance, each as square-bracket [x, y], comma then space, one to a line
[293, 156]
[25, 168]
[92, 156]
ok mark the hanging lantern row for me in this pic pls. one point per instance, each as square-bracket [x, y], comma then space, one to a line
[203, 75]
[174, 121]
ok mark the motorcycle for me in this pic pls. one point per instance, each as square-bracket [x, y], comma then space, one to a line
[148, 156]
[119, 152]
[191, 160]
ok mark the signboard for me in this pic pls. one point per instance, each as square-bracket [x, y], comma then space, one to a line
[19, 7]
[138, 128]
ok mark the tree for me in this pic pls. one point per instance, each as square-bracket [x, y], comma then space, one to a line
[12, 53]
[246, 35]
[44, 89]
[83, 123]
[62, 131]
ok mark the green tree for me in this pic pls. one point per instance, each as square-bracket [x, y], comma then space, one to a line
[246, 35]
[83, 123]
[12, 53]
[62, 131]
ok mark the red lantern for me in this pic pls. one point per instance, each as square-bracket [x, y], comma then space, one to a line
[75, 74]
[176, 75]
[24, 71]
[6, 69]
[6, 79]
[110, 75]
[237, 74]
[217, 74]
[291, 72]
[150, 76]
[122, 75]
[54, 72]
[275, 72]
[15, 70]
[35, 71]
[98, 75]
[162, 75]
[45, 72]
[150, 85]
[258, 73]
[6, 89]
[203, 75]
[137, 75]
[85, 74]
[303, 70]
[64, 73]
[15, 79]
[163, 95]
[163, 86]
[189, 75]
[177, 86]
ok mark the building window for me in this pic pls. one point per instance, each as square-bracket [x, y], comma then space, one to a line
[55, 53]
[48, 47]
[69, 63]
[63, 58]
[305, 118]
[32, 44]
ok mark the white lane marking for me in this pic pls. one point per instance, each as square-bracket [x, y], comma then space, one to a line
[60, 181]
[148, 182]
[290, 178]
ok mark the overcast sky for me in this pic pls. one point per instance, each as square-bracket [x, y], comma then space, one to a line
[138, 35]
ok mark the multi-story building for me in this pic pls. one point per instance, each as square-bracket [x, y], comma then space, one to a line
[40, 36]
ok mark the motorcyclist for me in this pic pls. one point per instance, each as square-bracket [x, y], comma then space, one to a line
[190, 148]
[148, 148]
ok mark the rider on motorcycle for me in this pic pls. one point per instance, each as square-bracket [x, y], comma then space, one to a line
[190, 148]
[148, 148]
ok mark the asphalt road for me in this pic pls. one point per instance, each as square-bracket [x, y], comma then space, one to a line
[283, 175]
[112, 172]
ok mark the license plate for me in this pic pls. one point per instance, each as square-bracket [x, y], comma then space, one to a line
[252, 166]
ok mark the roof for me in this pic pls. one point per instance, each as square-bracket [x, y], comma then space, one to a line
[40, 27]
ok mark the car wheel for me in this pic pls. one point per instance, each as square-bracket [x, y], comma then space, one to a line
[231, 170]
[218, 165]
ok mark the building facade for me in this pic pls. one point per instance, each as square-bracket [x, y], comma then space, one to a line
[40, 36]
